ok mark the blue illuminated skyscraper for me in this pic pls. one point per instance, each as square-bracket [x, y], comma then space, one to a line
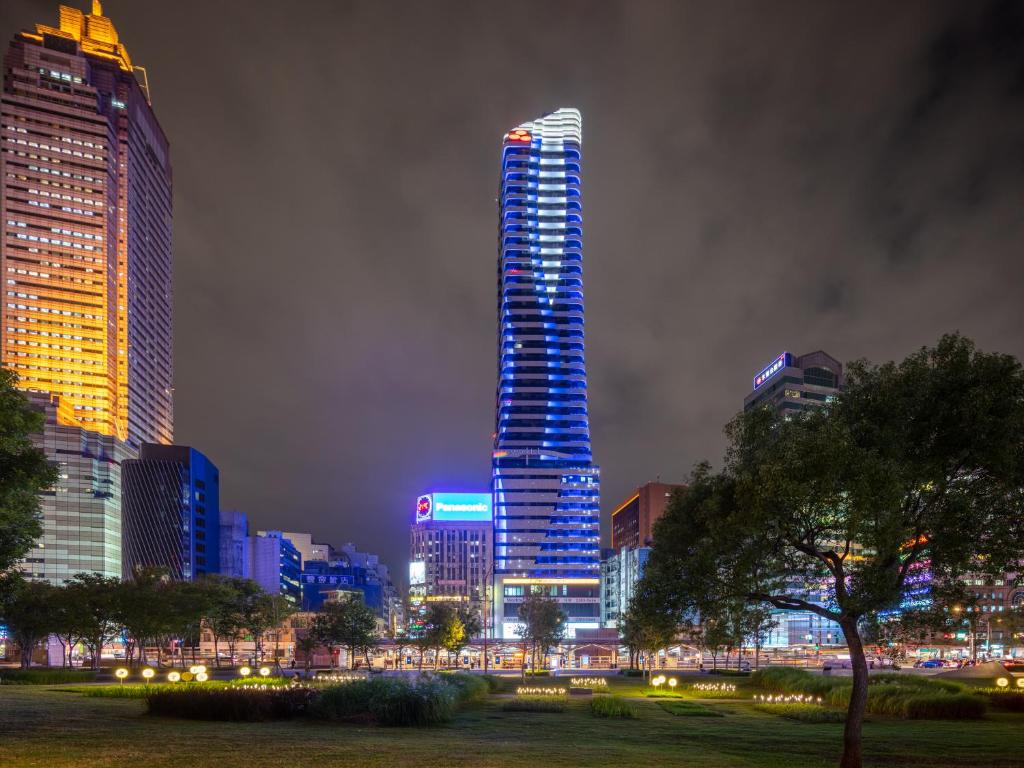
[546, 487]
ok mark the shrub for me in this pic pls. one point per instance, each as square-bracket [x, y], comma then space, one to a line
[805, 713]
[230, 704]
[632, 672]
[388, 701]
[468, 688]
[1004, 699]
[943, 706]
[534, 704]
[46, 676]
[789, 680]
[730, 672]
[683, 708]
[495, 684]
[611, 706]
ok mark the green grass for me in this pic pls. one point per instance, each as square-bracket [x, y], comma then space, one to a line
[611, 706]
[683, 708]
[804, 713]
[41, 727]
[534, 704]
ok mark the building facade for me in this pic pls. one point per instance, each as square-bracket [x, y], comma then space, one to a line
[85, 189]
[796, 383]
[171, 512]
[81, 515]
[309, 549]
[450, 548]
[545, 485]
[633, 520]
[621, 569]
[276, 565]
[235, 550]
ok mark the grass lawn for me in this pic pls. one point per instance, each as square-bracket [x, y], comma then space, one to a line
[49, 728]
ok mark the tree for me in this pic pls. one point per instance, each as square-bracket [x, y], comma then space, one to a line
[257, 613]
[349, 623]
[453, 635]
[855, 496]
[142, 611]
[279, 610]
[29, 609]
[543, 625]
[224, 617]
[24, 473]
[648, 631]
[92, 609]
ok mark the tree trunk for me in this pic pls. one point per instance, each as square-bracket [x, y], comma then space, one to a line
[852, 732]
[216, 652]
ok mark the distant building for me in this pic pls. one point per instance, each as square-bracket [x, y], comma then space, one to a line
[450, 549]
[799, 383]
[352, 572]
[791, 384]
[633, 521]
[235, 549]
[171, 512]
[81, 515]
[309, 549]
[620, 571]
[277, 565]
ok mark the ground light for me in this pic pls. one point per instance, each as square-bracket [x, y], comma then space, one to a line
[122, 673]
[245, 671]
[173, 677]
[202, 677]
[265, 671]
[673, 682]
[1020, 682]
[1002, 682]
[659, 680]
[147, 674]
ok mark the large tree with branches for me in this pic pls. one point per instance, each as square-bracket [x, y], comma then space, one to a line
[917, 464]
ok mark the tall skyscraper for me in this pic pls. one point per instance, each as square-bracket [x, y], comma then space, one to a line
[85, 188]
[633, 520]
[546, 488]
[171, 512]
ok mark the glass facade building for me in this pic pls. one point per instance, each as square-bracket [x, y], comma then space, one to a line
[81, 514]
[546, 489]
[171, 512]
[85, 191]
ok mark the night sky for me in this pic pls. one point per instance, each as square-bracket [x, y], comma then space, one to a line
[757, 176]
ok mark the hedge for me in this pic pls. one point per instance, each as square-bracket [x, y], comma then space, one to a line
[230, 703]
[46, 676]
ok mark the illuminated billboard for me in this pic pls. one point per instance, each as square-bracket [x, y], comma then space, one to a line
[417, 572]
[776, 365]
[454, 507]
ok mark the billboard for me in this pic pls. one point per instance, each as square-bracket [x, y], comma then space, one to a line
[417, 572]
[454, 507]
[776, 365]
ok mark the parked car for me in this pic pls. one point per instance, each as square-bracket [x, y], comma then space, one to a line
[931, 664]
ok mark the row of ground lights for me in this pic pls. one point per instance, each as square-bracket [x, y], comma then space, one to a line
[197, 673]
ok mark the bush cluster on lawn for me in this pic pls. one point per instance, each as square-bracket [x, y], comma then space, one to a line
[683, 708]
[534, 704]
[611, 706]
[1004, 699]
[729, 672]
[46, 676]
[633, 672]
[399, 701]
[805, 713]
[469, 688]
[905, 696]
[230, 703]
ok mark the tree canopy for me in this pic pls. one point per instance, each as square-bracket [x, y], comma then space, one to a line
[915, 465]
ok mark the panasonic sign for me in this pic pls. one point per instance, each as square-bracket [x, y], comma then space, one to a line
[454, 507]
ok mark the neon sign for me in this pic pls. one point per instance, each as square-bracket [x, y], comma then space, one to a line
[461, 507]
[774, 367]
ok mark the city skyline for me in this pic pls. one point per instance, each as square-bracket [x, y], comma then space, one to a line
[861, 208]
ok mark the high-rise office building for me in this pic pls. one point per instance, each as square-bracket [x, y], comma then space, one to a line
[170, 512]
[796, 383]
[450, 548]
[235, 550]
[81, 514]
[633, 520]
[792, 384]
[85, 189]
[277, 565]
[544, 483]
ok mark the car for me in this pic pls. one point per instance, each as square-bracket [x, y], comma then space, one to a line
[932, 664]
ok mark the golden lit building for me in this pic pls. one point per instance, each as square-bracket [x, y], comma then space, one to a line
[86, 247]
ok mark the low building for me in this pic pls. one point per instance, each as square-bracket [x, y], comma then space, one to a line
[81, 514]
[450, 549]
[171, 512]
[277, 565]
[620, 571]
[235, 549]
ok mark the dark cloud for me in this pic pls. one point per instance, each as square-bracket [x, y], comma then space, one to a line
[758, 177]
